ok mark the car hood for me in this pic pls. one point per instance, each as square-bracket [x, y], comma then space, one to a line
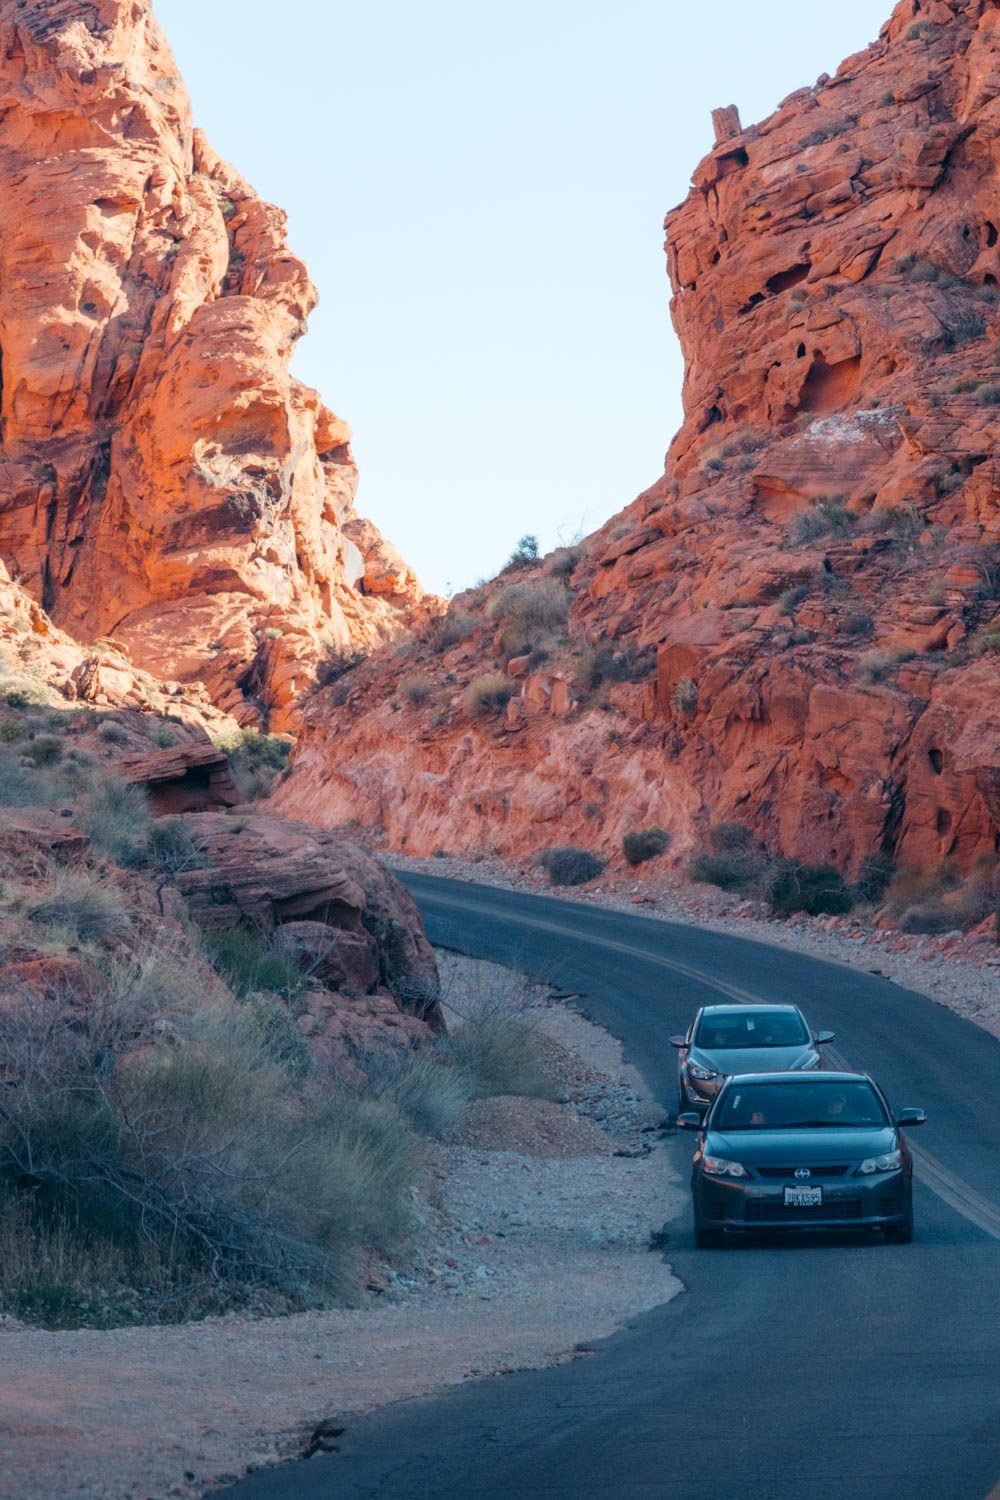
[733, 1060]
[784, 1147]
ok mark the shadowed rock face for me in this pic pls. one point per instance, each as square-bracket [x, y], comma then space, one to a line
[164, 479]
[821, 558]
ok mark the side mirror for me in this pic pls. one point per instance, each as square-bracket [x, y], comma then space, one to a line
[689, 1122]
[678, 1041]
[823, 1036]
[911, 1117]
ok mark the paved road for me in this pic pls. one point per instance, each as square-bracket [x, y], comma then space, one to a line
[820, 1370]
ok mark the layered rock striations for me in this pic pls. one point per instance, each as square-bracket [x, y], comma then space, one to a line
[164, 478]
[796, 627]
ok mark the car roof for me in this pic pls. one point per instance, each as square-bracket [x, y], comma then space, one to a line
[708, 1010]
[810, 1079]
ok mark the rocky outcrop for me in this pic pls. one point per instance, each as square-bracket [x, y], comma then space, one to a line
[165, 479]
[334, 908]
[797, 626]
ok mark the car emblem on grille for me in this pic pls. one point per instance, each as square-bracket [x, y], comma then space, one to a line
[802, 1172]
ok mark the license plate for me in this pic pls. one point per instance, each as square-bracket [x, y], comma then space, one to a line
[803, 1197]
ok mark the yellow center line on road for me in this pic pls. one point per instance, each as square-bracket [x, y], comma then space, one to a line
[964, 1199]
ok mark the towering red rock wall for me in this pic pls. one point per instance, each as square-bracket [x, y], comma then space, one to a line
[164, 478]
[818, 571]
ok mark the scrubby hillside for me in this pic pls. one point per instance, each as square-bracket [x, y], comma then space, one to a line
[797, 627]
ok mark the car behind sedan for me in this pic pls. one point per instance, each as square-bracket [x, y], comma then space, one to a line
[724, 1040]
[801, 1151]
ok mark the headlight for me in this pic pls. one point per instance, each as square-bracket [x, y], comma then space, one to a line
[812, 1061]
[718, 1166]
[697, 1071]
[890, 1162]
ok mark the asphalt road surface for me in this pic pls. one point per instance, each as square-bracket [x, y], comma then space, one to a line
[833, 1369]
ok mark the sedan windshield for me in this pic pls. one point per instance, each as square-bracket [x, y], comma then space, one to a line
[751, 1028]
[799, 1106]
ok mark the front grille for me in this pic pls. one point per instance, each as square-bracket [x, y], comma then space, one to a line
[784, 1213]
[715, 1208]
[825, 1171]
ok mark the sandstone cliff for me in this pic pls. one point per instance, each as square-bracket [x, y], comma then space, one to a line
[164, 478]
[796, 627]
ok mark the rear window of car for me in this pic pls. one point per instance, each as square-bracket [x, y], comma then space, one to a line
[784, 1106]
[751, 1028]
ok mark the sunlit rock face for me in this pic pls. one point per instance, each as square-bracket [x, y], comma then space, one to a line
[814, 580]
[165, 479]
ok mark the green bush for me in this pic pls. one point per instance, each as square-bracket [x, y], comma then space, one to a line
[251, 963]
[530, 611]
[733, 861]
[113, 733]
[272, 1022]
[336, 662]
[685, 697]
[256, 760]
[116, 817]
[814, 889]
[12, 730]
[25, 786]
[44, 750]
[425, 1087]
[645, 845]
[570, 865]
[523, 555]
[825, 518]
[171, 849]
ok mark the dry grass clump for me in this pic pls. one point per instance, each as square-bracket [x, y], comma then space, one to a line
[336, 662]
[447, 630]
[416, 688]
[530, 611]
[942, 899]
[189, 1173]
[117, 818]
[488, 695]
[83, 907]
[825, 518]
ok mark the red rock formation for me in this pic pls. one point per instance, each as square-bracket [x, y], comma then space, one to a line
[164, 479]
[818, 571]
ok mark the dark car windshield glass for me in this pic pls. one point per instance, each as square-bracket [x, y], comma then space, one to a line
[787, 1106]
[751, 1028]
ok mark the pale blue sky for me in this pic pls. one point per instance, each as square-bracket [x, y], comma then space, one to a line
[478, 190]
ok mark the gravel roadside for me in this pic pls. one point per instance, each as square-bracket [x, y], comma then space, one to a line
[535, 1240]
[958, 970]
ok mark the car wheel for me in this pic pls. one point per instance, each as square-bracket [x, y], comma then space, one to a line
[707, 1239]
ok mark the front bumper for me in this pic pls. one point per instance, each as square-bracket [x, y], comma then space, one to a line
[749, 1205]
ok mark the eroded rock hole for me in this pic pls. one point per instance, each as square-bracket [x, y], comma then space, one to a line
[785, 280]
[936, 760]
[829, 387]
[991, 233]
[943, 821]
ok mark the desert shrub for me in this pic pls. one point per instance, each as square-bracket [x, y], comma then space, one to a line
[874, 876]
[117, 818]
[272, 1023]
[11, 730]
[733, 861]
[928, 917]
[416, 688]
[336, 662]
[84, 907]
[171, 849]
[523, 555]
[447, 630]
[250, 963]
[495, 1054]
[685, 697]
[564, 561]
[529, 611]
[874, 666]
[638, 847]
[427, 1090]
[256, 760]
[24, 692]
[986, 395]
[488, 695]
[24, 786]
[789, 601]
[859, 624]
[986, 642]
[824, 518]
[162, 737]
[44, 750]
[113, 733]
[814, 889]
[603, 663]
[570, 865]
[189, 1169]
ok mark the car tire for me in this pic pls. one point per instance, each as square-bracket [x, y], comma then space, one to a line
[899, 1234]
[707, 1239]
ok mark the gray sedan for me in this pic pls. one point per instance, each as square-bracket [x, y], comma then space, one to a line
[724, 1040]
[801, 1151]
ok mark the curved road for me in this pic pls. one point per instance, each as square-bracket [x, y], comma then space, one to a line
[815, 1370]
